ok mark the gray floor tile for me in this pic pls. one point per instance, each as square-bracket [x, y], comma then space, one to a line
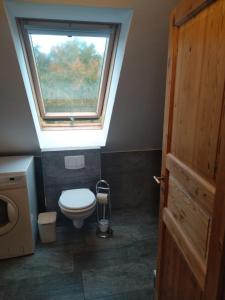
[123, 236]
[45, 261]
[145, 294]
[143, 250]
[99, 259]
[134, 217]
[113, 297]
[45, 287]
[116, 279]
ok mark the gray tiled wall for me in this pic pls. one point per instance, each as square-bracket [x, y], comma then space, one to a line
[130, 175]
[57, 178]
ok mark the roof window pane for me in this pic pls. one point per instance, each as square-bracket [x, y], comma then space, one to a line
[70, 70]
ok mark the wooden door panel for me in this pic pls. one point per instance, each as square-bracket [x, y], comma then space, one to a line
[197, 187]
[177, 280]
[191, 219]
[198, 91]
[193, 260]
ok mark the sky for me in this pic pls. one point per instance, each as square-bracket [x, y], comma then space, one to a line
[46, 42]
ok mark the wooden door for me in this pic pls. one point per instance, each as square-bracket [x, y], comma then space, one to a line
[192, 209]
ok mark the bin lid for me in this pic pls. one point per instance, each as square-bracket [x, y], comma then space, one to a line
[47, 217]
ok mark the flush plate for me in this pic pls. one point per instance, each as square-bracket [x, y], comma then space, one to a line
[74, 162]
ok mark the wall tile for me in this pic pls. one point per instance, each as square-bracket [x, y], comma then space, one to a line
[39, 183]
[130, 175]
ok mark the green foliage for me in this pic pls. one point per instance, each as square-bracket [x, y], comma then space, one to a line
[70, 74]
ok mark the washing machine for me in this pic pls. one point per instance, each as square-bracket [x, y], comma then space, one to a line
[18, 206]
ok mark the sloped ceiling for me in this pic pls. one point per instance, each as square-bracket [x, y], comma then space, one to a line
[138, 111]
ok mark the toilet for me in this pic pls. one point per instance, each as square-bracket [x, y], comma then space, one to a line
[77, 205]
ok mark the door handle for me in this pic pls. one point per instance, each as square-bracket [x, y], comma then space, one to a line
[158, 179]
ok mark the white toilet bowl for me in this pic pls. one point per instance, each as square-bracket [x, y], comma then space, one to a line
[77, 205]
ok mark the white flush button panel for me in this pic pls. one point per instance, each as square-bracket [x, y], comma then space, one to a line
[74, 162]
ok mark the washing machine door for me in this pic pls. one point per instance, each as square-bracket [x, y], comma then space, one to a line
[9, 214]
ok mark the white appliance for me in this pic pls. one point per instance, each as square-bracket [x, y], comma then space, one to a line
[18, 209]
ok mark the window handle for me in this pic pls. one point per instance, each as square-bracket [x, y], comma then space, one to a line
[159, 179]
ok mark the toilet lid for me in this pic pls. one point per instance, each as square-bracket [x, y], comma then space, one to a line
[77, 198]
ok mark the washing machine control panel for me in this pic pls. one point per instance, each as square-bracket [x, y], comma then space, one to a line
[12, 181]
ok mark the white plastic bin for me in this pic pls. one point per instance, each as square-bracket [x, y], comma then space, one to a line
[47, 226]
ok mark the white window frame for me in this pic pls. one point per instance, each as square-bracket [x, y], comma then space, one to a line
[111, 31]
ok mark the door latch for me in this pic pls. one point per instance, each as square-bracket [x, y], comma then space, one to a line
[159, 179]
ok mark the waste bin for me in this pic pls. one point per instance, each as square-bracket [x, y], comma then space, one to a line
[47, 226]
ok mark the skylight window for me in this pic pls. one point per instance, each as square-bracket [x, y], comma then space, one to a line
[70, 69]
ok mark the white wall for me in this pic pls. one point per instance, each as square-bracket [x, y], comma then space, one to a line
[17, 132]
[138, 112]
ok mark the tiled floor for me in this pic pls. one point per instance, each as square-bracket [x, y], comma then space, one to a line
[83, 267]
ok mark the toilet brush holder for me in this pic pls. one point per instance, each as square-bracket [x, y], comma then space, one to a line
[104, 229]
[103, 225]
[104, 235]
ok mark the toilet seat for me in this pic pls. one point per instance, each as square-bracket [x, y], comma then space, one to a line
[78, 200]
